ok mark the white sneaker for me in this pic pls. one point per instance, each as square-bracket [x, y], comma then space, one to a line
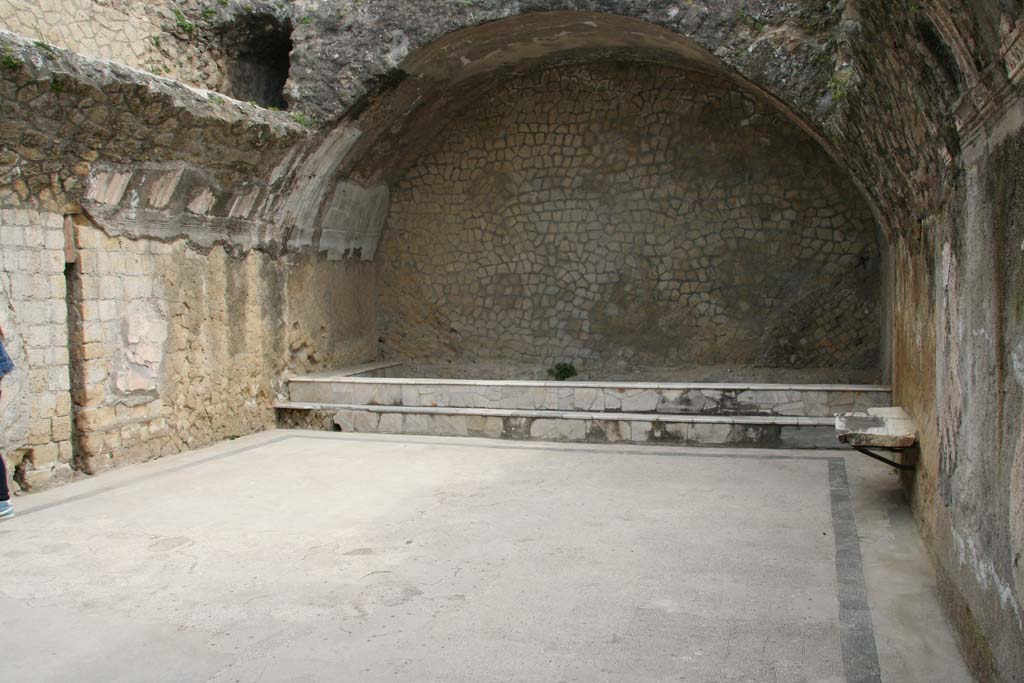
[6, 509]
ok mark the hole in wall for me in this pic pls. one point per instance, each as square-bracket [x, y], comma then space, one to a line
[23, 464]
[942, 53]
[258, 48]
[76, 340]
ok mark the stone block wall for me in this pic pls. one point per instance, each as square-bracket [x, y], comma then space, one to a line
[35, 407]
[623, 216]
[179, 347]
[171, 346]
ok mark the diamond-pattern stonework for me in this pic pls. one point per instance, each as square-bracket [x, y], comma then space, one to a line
[623, 216]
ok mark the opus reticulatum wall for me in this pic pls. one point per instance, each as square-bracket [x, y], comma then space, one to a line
[627, 216]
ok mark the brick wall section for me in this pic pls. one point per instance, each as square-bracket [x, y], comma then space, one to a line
[116, 282]
[35, 409]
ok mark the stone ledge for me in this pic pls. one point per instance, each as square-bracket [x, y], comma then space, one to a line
[877, 427]
[588, 397]
[564, 415]
[346, 376]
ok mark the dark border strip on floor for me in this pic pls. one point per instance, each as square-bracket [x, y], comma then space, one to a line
[856, 628]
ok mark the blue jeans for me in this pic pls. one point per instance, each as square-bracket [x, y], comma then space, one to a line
[5, 367]
[5, 493]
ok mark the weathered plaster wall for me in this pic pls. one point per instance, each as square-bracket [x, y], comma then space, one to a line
[35, 408]
[974, 514]
[941, 104]
[1003, 191]
[331, 312]
[956, 367]
[628, 216]
[181, 347]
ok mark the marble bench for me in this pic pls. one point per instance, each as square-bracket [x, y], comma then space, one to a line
[886, 428]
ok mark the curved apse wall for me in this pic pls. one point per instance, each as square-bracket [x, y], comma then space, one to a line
[630, 217]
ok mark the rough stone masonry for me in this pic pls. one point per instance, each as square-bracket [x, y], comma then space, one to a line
[172, 245]
[629, 216]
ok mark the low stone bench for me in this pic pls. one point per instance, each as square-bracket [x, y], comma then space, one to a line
[887, 428]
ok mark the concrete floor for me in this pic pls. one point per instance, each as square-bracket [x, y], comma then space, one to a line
[307, 556]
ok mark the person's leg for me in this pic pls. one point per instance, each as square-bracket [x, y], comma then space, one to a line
[6, 509]
[5, 492]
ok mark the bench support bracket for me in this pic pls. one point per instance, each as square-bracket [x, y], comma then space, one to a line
[882, 458]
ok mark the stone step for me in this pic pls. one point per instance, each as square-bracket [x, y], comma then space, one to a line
[768, 431]
[809, 400]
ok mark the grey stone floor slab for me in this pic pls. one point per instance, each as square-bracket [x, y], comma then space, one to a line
[305, 556]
